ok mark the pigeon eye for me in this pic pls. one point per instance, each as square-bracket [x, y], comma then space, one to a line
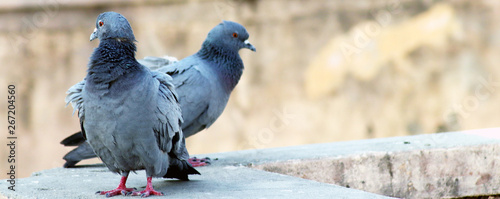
[235, 35]
[101, 23]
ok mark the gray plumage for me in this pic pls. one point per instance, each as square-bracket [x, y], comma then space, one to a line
[129, 115]
[204, 80]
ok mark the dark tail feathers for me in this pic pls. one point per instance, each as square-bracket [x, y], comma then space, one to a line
[74, 140]
[180, 169]
[82, 152]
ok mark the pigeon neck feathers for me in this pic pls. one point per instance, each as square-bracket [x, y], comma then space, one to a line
[225, 61]
[112, 59]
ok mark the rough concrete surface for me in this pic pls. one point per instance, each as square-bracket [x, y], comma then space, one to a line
[216, 181]
[417, 174]
[229, 176]
[445, 165]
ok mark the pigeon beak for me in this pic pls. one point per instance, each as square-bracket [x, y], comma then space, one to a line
[249, 46]
[93, 35]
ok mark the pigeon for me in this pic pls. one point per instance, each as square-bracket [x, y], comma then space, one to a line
[203, 81]
[129, 115]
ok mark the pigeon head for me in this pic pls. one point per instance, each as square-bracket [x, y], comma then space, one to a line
[230, 35]
[112, 25]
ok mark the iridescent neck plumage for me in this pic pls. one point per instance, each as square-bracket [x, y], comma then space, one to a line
[226, 62]
[111, 59]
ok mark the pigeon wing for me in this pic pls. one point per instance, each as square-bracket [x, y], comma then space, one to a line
[194, 86]
[154, 63]
[167, 130]
[74, 96]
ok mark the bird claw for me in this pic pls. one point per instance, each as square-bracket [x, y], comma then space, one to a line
[147, 192]
[117, 191]
[125, 193]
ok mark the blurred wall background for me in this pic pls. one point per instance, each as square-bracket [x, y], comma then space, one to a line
[324, 70]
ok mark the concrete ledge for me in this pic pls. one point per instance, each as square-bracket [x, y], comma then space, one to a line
[216, 181]
[431, 173]
[397, 166]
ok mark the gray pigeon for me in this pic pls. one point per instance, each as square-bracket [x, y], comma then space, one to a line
[203, 82]
[129, 115]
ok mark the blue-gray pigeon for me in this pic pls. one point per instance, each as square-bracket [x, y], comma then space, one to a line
[203, 82]
[129, 114]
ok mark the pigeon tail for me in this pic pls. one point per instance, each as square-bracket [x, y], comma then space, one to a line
[84, 151]
[73, 140]
[180, 169]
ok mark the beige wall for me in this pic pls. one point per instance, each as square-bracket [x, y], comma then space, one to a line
[324, 71]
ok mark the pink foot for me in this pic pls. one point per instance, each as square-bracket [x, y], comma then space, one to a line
[195, 162]
[148, 191]
[121, 189]
[145, 193]
[117, 191]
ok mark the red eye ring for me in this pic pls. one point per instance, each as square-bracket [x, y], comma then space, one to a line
[101, 23]
[235, 34]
